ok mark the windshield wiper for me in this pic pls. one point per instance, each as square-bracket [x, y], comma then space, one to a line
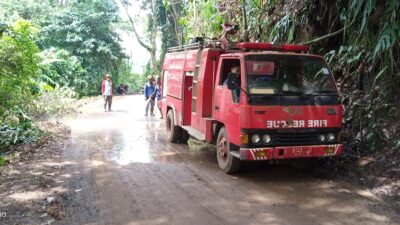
[324, 92]
[291, 92]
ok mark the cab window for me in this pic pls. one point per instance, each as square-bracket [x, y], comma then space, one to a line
[227, 65]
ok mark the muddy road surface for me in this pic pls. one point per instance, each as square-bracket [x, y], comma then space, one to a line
[121, 170]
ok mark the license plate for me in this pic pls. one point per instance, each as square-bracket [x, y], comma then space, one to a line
[297, 151]
[301, 151]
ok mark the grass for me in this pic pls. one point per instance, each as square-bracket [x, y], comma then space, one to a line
[2, 160]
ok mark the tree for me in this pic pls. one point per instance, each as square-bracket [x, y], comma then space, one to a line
[86, 29]
[151, 47]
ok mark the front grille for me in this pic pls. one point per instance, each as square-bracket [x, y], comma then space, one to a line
[295, 139]
[292, 137]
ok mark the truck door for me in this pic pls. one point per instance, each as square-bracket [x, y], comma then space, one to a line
[226, 102]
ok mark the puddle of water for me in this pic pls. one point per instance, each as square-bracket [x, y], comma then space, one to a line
[127, 147]
[123, 136]
[135, 142]
[130, 153]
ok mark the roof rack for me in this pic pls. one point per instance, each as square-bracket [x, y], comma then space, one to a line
[197, 45]
[185, 47]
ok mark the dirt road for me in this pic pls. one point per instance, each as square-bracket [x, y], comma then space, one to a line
[121, 170]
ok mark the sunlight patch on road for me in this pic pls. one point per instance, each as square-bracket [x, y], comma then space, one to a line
[27, 196]
[96, 163]
[55, 164]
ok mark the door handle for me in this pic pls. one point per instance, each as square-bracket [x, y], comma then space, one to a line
[217, 108]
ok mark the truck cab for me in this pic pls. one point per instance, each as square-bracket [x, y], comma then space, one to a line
[258, 101]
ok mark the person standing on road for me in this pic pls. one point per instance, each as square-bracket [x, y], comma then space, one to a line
[158, 95]
[150, 96]
[107, 91]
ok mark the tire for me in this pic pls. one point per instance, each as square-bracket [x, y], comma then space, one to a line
[184, 137]
[226, 162]
[174, 132]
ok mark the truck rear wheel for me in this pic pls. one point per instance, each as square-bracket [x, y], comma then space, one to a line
[174, 132]
[226, 162]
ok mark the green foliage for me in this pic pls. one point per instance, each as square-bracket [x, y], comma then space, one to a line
[86, 30]
[17, 128]
[51, 52]
[18, 86]
[32, 10]
[369, 110]
[397, 145]
[60, 68]
[19, 60]
[202, 19]
[360, 39]
[387, 39]
[361, 9]
[2, 160]
[284, 28]
[78, 41]
[54, 101]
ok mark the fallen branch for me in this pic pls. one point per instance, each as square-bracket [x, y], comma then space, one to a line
[329, 35]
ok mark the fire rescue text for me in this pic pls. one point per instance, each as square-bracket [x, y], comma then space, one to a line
[296, 123]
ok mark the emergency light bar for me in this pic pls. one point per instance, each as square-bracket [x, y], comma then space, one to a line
[272, 47]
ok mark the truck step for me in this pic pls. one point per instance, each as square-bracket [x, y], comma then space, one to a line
[195, 133]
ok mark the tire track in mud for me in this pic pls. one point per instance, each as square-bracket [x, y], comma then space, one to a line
[81, 198]
[178, 200]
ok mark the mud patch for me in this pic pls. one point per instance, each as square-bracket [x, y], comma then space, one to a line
[380, 174]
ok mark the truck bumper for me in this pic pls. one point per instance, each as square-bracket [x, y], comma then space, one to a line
[290, 152]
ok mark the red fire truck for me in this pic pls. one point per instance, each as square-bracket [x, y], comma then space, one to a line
[281, 104]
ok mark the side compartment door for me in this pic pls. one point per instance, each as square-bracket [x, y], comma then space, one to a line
[187, 98]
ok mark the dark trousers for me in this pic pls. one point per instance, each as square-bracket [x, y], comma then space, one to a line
[107, 101]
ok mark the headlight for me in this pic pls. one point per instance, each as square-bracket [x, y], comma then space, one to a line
[266, 139]
[331, 137]
[255, 138]
[321, 138]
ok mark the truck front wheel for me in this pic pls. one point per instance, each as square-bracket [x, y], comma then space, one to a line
[173, 131]
[226, 162]
[184, 136]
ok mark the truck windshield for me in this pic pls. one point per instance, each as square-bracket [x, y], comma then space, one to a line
[287, 75]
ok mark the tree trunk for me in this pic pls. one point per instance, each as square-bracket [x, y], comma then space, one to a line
[175, 12]
[245, 28]
[152, 47]
[153, 40]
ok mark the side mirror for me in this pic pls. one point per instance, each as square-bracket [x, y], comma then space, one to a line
[231, 81]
